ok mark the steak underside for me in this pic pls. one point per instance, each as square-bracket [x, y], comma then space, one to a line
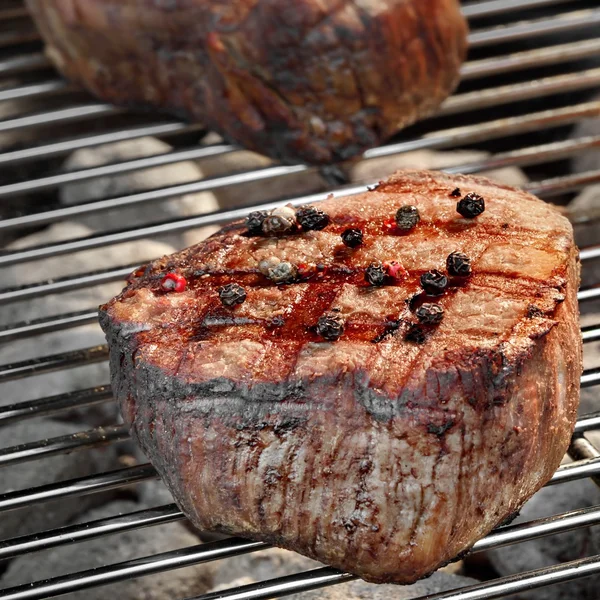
[383, 453]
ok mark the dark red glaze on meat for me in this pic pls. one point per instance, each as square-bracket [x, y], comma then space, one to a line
[391, 450]
[299, 80]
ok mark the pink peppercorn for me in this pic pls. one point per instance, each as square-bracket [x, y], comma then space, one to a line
[172, 282]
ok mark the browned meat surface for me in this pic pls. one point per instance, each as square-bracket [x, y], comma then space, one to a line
[299, 80]
[392, 449]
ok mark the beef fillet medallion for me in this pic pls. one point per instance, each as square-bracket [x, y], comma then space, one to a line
[314, 81]
[378, 405]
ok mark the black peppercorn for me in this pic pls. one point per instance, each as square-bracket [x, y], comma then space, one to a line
[232, 294]
[375, 275]
[458, 264]
[471, 206]
[415, 334]
[312, 219]
[455, 193]
[407, 217]
[330, 327]
[255, 220]
[434, 283]
[352, 238]
[430, 314]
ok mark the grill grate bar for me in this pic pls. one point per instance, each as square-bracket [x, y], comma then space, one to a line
[55, 362]
[590, 334]
[127, 476]
[516, 92]
[60, 116]
[46, 151]
[94, 438]
[582, 295]
[168, 158]
[590, 378]
[498, 588]
[590, 253]
[21, 64]
[533, 155]
[559, 185]
[579, 469]
[93, 529]
[149, 565]
[587, 422]
[519, 61]
[48, 325]
[441, 139]
[54, 404]
[65, 284]
[583, 449]
[498, 7]
[36, 89]
[89, 484]
[527, 29]
[90, 530]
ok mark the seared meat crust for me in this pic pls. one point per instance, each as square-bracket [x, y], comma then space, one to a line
[304, 80]
[381, 453]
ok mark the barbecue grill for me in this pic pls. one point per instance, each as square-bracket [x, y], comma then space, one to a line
[531, 65]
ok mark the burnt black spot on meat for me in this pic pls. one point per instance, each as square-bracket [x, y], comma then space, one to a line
[509, 519]
[390, 329]
[440, 430]
[534, 311]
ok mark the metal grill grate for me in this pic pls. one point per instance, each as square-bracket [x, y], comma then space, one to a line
[540, 88]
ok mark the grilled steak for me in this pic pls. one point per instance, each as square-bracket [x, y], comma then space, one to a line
[309, 80]
[378, 402]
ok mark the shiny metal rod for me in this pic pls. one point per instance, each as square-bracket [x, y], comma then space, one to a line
[89, 484]
[531, 59]
[517, 92]
[65, 284]
[581, 19]
[498, 588]
[130, 569]
[73, 534]
[587, 422]
[52, 149]
[54, 404]
[101, 436]
[48, 325]
[54, 362]
[63, 115]
[582, 449]
[21, 64]
[36, 89]
[475, 10]
[590, 334]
